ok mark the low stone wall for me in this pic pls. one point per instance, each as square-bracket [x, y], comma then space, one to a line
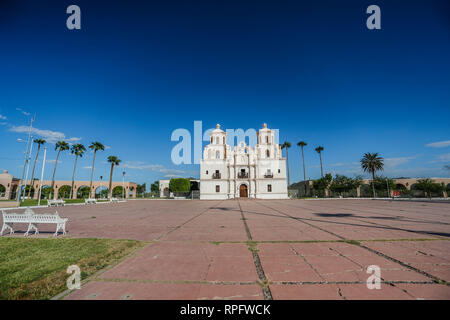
[9, 204]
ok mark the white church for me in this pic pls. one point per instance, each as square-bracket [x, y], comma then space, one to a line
[244, 172]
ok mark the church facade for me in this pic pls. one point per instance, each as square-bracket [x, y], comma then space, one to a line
[243, 172]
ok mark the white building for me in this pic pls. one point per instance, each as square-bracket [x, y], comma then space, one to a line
[243, 172]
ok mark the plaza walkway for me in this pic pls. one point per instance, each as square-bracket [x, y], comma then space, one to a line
[269, 249]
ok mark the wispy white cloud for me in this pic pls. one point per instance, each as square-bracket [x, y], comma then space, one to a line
[172, 176]
[49, 135]
[442, 158]
[139, 165]
[394, 162]
[87, 167]
[2, 117]
[439, 144]
[23, 112]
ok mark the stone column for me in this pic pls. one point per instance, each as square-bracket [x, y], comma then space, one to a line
[358, 192]
[127, 192]
[134, 192]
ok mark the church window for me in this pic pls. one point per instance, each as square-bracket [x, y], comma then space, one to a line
[217, 188]
[269, 188]
[217, 154]
[268, 153]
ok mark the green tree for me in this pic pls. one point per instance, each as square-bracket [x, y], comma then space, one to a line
[383, 183]
[323, 183]
[60, 146]
[179, 185]
[64, 192]
[39, 143]
[78, 150]
[372, 162]
[95, 146]
[341, 184]
[319, 150]
[114, 162]
[428, 186]
[286, 145]
[302, 144]
[140, 188]
[84, 192]
[155, 187]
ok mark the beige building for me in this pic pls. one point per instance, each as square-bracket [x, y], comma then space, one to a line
[9, 186]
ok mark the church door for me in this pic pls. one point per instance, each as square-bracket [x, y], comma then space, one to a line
[243, 191]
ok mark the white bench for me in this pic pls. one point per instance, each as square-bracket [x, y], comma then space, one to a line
[113, 200]
[55, 202]
[89, 200]
[32, 219]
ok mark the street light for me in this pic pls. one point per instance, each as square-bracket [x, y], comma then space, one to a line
[123, 185]
[19, 193]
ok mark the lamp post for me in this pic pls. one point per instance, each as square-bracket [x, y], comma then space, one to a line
[101, 184]
[42, 177]
[28, 170]
[19, 191]
[123, 185]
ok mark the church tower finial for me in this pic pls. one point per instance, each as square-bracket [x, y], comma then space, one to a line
[264, 125]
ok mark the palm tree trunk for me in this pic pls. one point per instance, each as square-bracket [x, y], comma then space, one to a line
[304, 171]
[287, 162]
[52, 191]
[321, 169]
[373, 183]
[92, 174]
[110, 180]
[73, 176]
[32, 172]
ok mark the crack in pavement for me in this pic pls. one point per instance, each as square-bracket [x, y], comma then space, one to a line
[256, 260]
[434, 278]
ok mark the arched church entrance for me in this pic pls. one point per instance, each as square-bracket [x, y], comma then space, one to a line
[243, 191]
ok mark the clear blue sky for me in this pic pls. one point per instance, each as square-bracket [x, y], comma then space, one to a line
[137, 70]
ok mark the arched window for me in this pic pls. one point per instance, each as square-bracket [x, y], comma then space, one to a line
[223, 140]
[267, 153]
[217, 154]
[267, 139]
[211, 140]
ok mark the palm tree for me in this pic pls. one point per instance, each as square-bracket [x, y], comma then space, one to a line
[39, 142]
[114, 162]
[286, 146]
[372, 162]
[78, 150]
[94, 146]
[302, 144]
[319, 150]
[60, 146]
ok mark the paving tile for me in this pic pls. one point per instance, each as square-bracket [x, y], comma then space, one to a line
[305, 292]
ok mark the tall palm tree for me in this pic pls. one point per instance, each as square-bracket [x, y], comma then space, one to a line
[60, 146]
[286, 146]
[372, 162]
[114, 162]
[78, 150]
[39, 142]
[94, 146]
[319, 150]
[302, 144]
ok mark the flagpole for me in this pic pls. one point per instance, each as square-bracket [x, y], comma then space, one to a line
[19, 191]
[42, 176]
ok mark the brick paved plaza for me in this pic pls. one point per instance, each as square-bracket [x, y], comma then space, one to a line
[273, 249]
